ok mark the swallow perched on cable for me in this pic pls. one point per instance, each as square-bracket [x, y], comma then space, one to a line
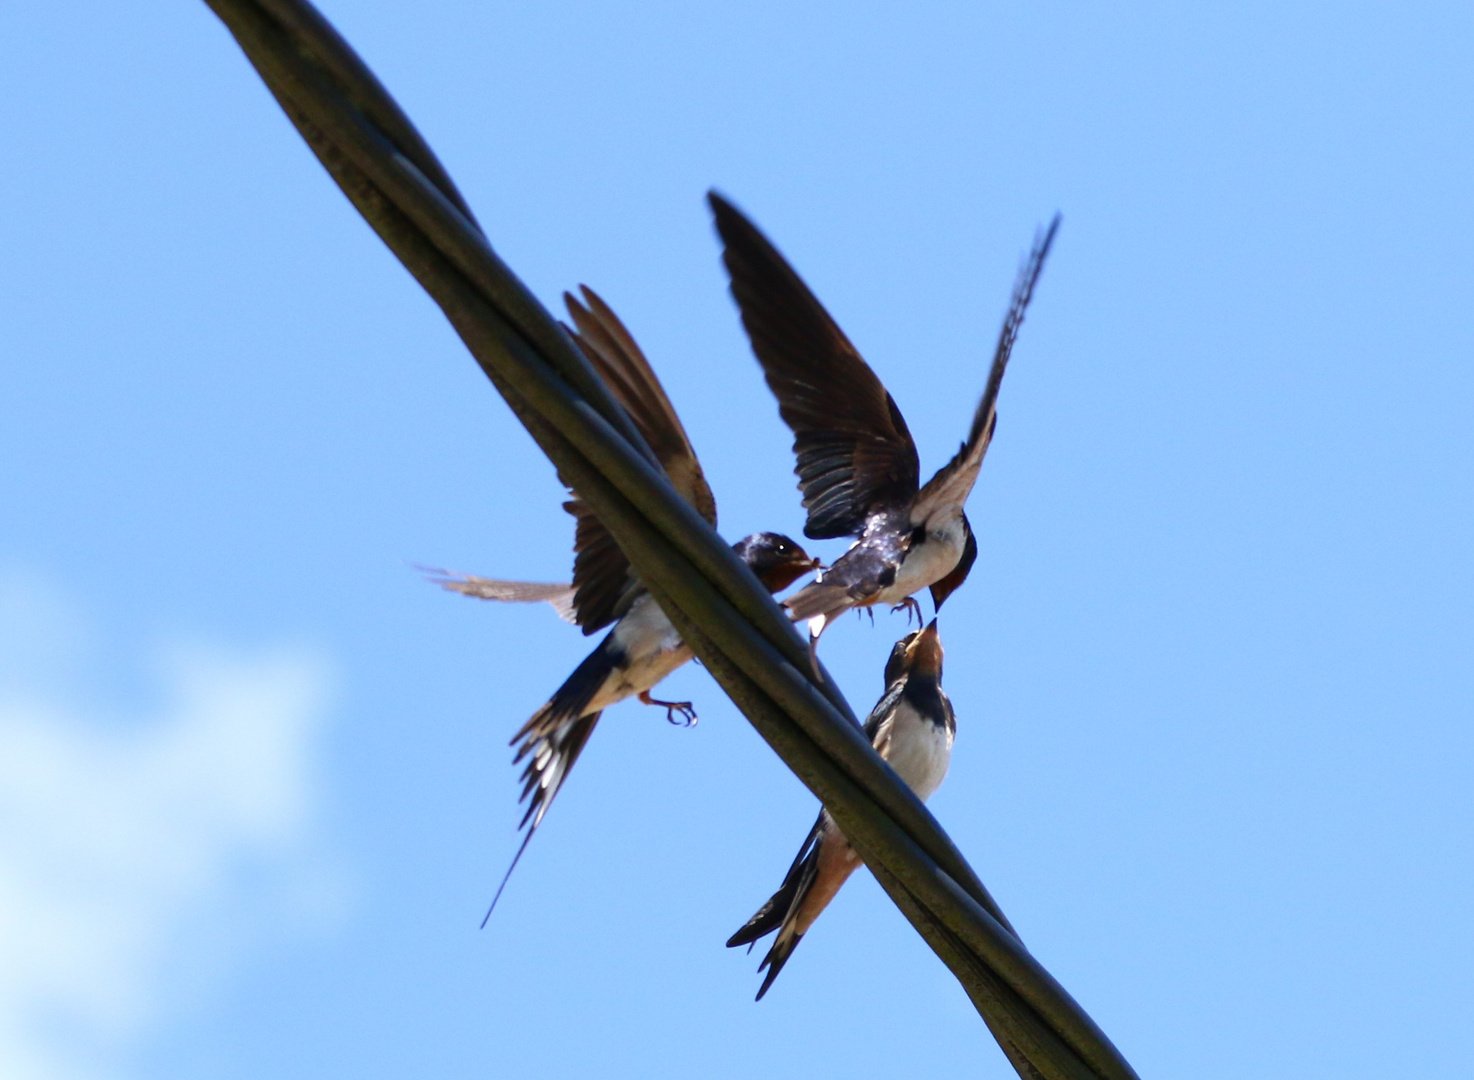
[912, 727]
[857, 465]
[643, 647]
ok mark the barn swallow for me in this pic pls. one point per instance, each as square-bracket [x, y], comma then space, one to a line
[912, 727]
[643, 647]
[857, 464]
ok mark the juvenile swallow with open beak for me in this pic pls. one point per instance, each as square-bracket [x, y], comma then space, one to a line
[643, 647]
[912, 728]
[857, 464]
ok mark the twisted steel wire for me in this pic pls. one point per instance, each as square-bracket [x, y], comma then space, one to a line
[733, 625]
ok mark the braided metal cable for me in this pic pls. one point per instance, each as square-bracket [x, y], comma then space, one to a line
[731, 622]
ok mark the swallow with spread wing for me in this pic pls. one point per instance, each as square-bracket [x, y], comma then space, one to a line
[912, 728]
[643, 647]
[857, 464]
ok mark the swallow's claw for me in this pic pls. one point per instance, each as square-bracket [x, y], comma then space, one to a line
[911, 607]
[682, 713]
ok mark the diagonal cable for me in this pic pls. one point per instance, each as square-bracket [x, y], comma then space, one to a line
[392, 177]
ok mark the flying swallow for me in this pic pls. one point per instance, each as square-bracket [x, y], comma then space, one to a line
[643, 647]
[857, 464]
[912, 727]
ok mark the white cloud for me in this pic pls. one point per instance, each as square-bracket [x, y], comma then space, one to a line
[130, 843]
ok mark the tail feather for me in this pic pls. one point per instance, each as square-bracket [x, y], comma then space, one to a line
[818, 599]
[824, 863]
[796, 882]
[570, 700]
[787, 940]
[551, 741]
[782, 910]
[543, 784]
[506, 878]
[544, 775]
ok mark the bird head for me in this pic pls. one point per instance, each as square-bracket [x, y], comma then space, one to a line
[918, 653]
[776, 560]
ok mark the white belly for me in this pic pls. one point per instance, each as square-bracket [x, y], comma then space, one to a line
[918, 750]
[927, 562]
[654, 649]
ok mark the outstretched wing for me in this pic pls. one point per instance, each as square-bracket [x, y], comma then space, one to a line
[853, 448]
[954, 480]
[514, 592]
[632, 381]
[603, 583]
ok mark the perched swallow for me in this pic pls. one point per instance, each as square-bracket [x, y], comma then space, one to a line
[643, 647]
[857, 464]
[912, 727]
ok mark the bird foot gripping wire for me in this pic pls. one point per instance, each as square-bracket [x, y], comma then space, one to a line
[910, 607]
[673, 709]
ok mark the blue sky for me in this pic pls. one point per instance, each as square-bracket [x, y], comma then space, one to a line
[1212, 670]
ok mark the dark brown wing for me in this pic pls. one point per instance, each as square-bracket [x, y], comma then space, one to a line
[627, 373]
[602, 580]
[601, 573]
[953, 481]
[853, 448]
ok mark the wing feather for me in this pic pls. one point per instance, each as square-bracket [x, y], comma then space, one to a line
[603, 583]
[954, 480]
[559, 595]
[624, 369]
[853, 449]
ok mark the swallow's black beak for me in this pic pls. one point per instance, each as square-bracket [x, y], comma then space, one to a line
[924, 652]
[793, 567]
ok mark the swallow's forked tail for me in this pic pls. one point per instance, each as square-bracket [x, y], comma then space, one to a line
[542, 778]
[819, 605]
[551, 741]
[823, 864]
[819, 599]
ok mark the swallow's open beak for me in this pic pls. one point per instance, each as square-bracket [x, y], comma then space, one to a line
[779, 577]
[924, 654]
[803, 563]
